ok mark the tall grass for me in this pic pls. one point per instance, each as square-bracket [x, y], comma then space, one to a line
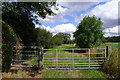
[112, 65]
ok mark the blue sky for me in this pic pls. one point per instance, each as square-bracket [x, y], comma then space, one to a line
[70, 18]
[70, 14]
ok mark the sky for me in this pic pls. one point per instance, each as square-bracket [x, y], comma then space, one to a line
[70, 14]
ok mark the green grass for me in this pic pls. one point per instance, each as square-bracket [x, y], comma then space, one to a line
[73, 74]
[64, 46]
[117, 45]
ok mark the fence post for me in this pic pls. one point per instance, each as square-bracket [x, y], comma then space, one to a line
[89, 58]
[42, 57]
[107, 51]
[39, 52]
[73, 58]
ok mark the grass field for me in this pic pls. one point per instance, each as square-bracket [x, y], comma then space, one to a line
[48, 73]
[115, 45]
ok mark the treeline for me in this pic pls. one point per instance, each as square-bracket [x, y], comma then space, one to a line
[46, 40]
[113, 39]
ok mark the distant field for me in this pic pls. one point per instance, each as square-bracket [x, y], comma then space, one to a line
[117, 45]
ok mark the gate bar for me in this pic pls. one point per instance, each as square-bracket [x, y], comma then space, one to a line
[73, 58]
[89, 58]
[56, 58]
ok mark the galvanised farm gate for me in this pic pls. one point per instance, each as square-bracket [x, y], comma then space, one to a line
[27, 56]
[83, 58]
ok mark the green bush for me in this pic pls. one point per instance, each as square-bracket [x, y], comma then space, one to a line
[9, 39]
[111, 66]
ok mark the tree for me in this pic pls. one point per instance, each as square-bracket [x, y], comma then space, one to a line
[89, 32]
[61, 38]
[66, 37]
[58, 39]
[19, 15]
[44, 38]
[8, 41]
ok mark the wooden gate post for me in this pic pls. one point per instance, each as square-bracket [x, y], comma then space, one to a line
[39, 52]
[41, 57]
[107, 51]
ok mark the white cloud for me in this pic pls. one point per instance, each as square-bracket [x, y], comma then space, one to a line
[114, 31]
[79, 18]
[110, 35]
[108, 13]
[77, 6]
[81, 0]
[64, 28]
[46, 28]
[69, 8]
[60, 12]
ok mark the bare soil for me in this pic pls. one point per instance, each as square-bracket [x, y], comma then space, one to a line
[22, 72]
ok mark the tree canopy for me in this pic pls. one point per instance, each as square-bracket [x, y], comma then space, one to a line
[9, 39]
[44, 38]
[19, 15]
[19, 28]
[89, 32]
[62, 38]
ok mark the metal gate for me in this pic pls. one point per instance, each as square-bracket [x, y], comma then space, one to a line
[84, 58]
[26, 56]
